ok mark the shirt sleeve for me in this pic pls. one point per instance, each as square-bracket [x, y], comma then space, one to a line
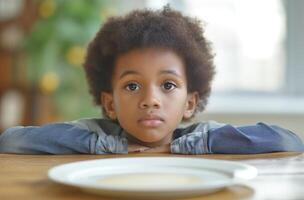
[58, 138]
[228, 139]
[259, 138]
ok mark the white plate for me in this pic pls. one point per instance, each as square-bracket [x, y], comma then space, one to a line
[152, 177]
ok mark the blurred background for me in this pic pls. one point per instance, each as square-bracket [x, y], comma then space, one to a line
[258, 44]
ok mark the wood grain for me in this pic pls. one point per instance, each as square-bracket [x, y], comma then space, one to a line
[281, 176]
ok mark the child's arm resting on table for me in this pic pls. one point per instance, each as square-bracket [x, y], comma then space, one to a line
[227, 139]
[57, 138]
[87, 137]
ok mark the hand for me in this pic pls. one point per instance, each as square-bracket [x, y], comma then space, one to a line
[136, 148]
[159, 149]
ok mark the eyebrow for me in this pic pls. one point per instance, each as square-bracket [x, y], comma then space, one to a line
[169, 71]
[128, 72]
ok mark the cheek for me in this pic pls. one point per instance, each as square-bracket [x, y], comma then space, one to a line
[123, 103]
[118, 103]
[176, 101]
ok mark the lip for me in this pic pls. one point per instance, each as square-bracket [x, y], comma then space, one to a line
[151, 121]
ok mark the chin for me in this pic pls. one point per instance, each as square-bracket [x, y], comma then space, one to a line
[152, 141]
[153, 135]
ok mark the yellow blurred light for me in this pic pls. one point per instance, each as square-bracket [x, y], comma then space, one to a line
[75, 55]
[49, 82]
[47, 8]
[106, 12]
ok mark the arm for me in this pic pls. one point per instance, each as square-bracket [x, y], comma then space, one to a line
[59, 138]
[56, 138]
[259, 138]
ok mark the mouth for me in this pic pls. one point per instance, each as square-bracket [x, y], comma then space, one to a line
[151, 121]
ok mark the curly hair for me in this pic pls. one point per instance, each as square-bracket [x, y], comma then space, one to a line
[165, 28]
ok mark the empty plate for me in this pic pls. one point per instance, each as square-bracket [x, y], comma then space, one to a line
[152, 177]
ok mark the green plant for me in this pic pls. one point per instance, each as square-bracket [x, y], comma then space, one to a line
[55, 50]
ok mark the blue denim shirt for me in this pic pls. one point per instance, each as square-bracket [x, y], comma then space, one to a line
[102, 136]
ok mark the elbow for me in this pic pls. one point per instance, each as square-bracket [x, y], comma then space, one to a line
[289, 141]
[10, 142]
[292, 145]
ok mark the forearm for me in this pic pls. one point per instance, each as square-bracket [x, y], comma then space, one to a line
[260, 138]
[48, 139]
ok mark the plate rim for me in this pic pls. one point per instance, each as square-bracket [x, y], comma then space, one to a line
[235, 179]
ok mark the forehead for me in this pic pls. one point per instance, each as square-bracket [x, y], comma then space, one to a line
[149, 61]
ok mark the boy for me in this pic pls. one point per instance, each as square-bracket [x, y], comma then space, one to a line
[148, 70]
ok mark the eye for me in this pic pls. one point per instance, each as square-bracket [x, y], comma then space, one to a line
[132, 86]
[169, 86]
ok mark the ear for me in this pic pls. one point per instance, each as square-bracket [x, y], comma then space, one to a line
[108, 104]
[191, 104]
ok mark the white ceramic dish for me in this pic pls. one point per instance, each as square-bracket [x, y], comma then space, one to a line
[152, 177]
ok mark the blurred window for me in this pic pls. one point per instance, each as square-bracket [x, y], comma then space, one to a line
[250, 41]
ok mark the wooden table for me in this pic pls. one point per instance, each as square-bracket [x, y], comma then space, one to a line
[281, 176]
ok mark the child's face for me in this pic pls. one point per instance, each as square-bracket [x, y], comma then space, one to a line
[149, 97]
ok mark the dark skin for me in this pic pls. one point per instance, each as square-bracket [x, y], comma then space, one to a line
[149, 98]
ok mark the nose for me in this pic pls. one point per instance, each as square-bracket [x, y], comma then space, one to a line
[150, 99]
